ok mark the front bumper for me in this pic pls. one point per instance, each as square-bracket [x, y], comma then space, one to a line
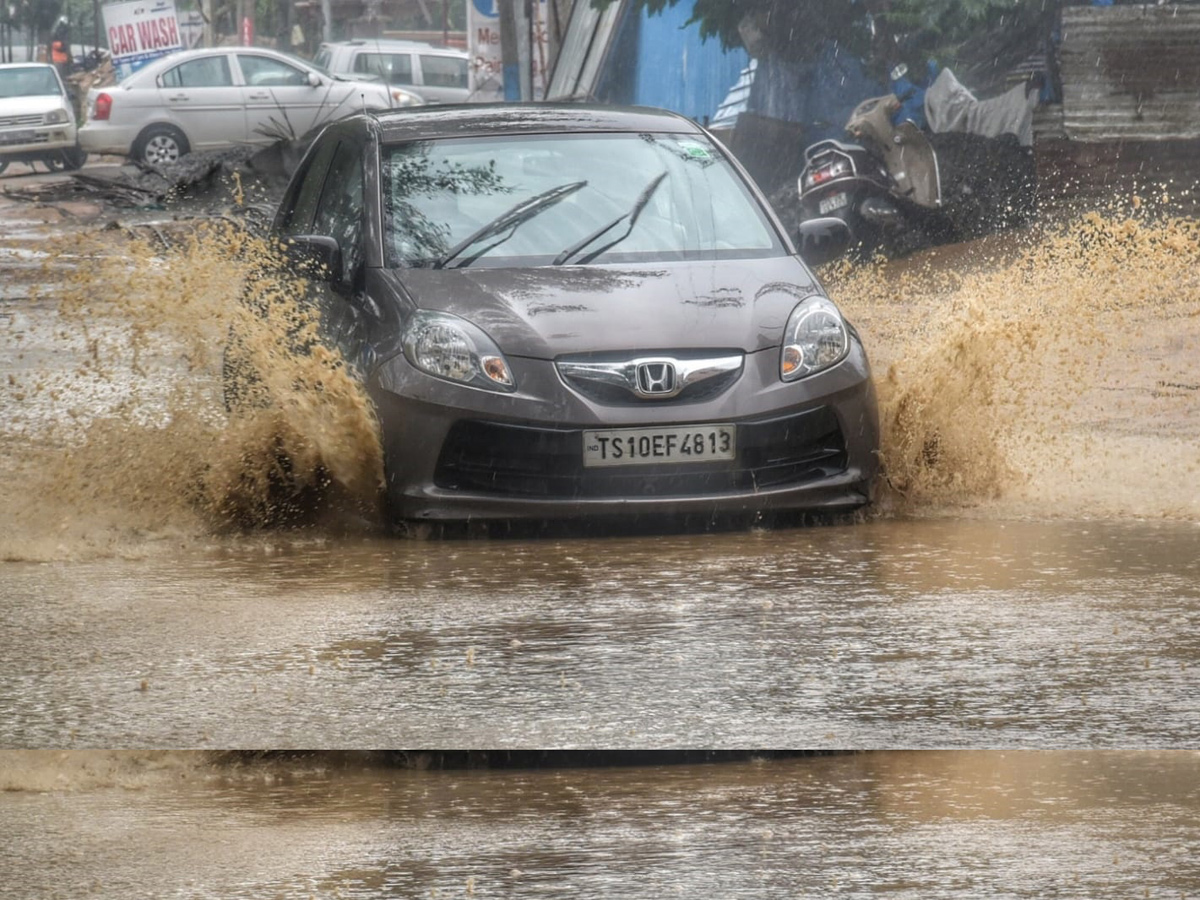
[453, 453]
[36, 141]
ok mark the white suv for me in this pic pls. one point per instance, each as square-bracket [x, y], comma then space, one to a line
[436, 74]
[37, 122]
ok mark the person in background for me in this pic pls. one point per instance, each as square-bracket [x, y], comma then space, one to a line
[60, 47]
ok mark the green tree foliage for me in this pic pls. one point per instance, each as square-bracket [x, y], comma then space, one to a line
[882, 31]
[35, 17]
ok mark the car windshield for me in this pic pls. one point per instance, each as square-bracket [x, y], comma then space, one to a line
[28, 81]
[541, 199]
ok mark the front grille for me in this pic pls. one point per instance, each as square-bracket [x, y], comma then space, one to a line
[20, 121]
[619, 395]
[695, 376]
[523, 461]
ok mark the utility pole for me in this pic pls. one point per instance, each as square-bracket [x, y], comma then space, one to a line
[206, 13]
[509, 53]
[327, 20]
[283, 26]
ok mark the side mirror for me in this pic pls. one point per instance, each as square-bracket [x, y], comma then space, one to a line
[314, 80]
[823, 240]
[316, 256]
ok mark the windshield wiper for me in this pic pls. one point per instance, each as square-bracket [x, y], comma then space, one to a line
[509, 221]
[632, 216]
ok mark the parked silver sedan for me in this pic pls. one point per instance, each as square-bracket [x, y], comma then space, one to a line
[221, 98]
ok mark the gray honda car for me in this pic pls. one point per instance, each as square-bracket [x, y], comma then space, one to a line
[570, 311]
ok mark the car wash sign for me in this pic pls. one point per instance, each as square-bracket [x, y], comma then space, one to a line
[140, 31]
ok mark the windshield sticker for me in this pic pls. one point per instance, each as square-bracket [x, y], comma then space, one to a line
[696, 151]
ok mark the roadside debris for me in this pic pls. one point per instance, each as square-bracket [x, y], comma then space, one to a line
[203, 183]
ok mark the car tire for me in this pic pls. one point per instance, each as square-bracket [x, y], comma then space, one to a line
[160, 144]
[73, 158]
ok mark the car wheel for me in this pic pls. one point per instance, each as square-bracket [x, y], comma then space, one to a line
[54, 162]
[73, 158]
[159, 145]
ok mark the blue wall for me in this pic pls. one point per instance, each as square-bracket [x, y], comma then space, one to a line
[819, 93]
[678, 71]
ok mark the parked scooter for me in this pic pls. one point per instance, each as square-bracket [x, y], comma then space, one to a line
[899, 188]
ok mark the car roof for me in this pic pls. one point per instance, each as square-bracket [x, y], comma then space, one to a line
[155, 66]
[474, 120]
[392, 44]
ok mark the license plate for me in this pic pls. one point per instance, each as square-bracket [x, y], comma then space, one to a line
[17, 137]
[648, 446]
[832, 202]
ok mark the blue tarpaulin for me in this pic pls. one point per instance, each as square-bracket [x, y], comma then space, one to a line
[818, 93]
[670, 66]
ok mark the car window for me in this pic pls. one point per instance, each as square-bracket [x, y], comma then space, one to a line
[694, 204]
[340, 210]
[444, 71]
[208, 71]
[263, 71]
[312, 178]
[30, 81]
[393, 68]
[321, 60]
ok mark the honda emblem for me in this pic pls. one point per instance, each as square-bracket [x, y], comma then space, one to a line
[656, 378]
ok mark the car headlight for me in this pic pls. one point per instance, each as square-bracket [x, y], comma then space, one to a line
[452, 348]
[57, 117]
[816, 338]
[404, 98]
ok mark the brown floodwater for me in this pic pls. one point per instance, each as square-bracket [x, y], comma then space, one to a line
[1028, 578]
[888, 633]
[908, 825]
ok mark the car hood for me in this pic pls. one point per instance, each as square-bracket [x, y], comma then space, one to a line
[550, 311]
[27, 106]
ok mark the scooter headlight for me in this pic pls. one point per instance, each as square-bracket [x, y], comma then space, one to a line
[815, 339]
[448, 347]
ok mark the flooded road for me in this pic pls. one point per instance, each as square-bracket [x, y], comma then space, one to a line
[911, 825]
[890, 633]
[1029, 577]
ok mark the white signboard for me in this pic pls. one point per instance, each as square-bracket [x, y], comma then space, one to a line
[139, 31]
[483, 43]
[533, 47]
[191, 30]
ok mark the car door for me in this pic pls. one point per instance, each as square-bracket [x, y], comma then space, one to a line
[201, 97]
[444, 78]
[281, 102]
[340, 214]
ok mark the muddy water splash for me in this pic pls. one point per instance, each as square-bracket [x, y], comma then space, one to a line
[131, 437]
[1053, 372]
